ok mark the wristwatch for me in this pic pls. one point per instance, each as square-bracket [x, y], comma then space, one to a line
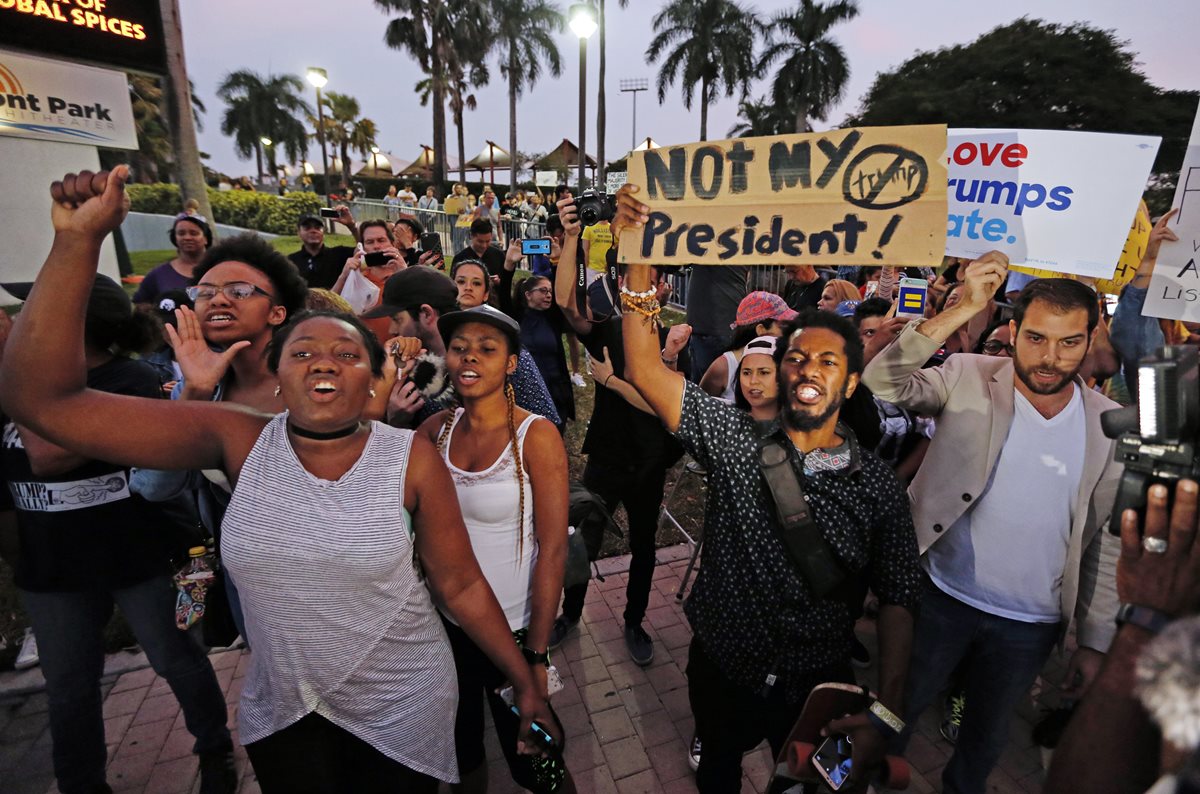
[1147, 618]
[533, 657]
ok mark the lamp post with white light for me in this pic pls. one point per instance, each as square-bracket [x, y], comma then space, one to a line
[317, 77]
[266, 144]
[583, 25]
[375, 161]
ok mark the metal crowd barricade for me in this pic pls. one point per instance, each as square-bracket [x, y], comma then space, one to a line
[454, 237]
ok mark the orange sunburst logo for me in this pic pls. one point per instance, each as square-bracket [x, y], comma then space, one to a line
[9, 84]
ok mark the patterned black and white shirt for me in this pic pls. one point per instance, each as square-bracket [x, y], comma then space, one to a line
[750, 606]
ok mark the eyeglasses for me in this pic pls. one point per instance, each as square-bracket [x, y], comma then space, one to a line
[994, 346]
[542, 290]
[234, 290]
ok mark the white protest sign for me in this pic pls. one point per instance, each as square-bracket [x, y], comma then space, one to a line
[64, 102]
[614, 179]
[545, 178]
[1056, 200]
[1175, 285]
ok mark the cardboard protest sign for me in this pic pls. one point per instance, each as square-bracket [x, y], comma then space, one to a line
[1127, 265]
[843, 197]
[1175, 284]
[1053, 200]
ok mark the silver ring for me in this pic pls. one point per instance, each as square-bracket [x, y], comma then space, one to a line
[1154, 545]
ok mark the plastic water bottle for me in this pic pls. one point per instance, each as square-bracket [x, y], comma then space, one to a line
[192, 582]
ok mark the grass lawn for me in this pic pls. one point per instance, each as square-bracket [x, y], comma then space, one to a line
[687, 505]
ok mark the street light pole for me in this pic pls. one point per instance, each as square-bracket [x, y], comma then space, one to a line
[317, 77]
[633, 87]
[583, 24]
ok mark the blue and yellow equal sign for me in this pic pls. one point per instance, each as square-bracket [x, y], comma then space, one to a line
[912, 299]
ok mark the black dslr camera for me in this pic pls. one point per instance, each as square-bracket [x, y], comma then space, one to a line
[1157, 438]
[594, 207]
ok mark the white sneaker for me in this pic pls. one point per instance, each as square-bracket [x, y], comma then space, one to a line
[577, 380]
[28, 657]
[694, 753]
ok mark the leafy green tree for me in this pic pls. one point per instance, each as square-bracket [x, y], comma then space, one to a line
[525, 37]
[441, 35]
[1036, 75]
[760, 117]
[346, 130]
[270, 107]
[814, 70]
[705, 43]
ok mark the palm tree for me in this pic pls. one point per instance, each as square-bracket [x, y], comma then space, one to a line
[760, 117]
[713, 45]
[460, 101]
[269, 107]
[346, 130]
[179, 100]
[601, 112]
[814, 71]
[431, 31]
[524, 31]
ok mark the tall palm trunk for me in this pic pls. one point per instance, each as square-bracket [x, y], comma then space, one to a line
[600, 110]
[802, 117]
[462, 150]
[512, 121]
[704, 108]
[258, 158]
[439, 112]
[178, 94]
[345, 151]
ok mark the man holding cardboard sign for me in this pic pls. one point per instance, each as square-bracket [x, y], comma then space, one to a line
[772, 611]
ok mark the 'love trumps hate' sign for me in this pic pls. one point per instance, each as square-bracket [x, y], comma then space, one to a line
[843, 197]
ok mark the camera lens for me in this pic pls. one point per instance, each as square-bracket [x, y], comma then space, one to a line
[588, 215]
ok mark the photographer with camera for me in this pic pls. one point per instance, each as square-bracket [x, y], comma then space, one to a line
[628, 451]
[1111, 744]
[318, 264]
[799, 520]
[1008, 505]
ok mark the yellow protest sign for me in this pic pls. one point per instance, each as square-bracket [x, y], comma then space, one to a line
[844, 197]
[1127, 265]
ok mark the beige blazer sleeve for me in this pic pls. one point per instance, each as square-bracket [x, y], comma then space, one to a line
[895, 375]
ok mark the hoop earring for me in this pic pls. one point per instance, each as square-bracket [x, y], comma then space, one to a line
[371, 392]
[278, 390]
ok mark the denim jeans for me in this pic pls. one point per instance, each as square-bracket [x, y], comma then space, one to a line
[705, 349]
[1001, 659]
[638, 484]
[70, 637]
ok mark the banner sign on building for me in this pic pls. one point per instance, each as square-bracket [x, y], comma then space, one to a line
[1056, 200]
[843, 197]
[1175, 284]
[122, 33]
[57, 101]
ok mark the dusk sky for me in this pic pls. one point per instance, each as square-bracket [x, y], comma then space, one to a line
[346, 38]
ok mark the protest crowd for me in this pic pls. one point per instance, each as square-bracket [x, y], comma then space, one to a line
[353, 459]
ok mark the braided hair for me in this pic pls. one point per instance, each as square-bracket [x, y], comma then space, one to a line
[510, 398]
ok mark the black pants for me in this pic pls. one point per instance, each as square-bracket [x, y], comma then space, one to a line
[637, 484]
[730, 719]
[314, 756]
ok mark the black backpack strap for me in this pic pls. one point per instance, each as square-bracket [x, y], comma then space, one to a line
[797, 530]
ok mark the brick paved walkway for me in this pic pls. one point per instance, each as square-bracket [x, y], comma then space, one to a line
[627, 727]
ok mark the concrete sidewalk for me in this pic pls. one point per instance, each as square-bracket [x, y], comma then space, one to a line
[627, 727]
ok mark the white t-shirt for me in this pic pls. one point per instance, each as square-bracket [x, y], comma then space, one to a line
[1006, 555]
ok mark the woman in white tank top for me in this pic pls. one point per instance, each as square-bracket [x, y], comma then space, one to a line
[510, 472]
[346, 692]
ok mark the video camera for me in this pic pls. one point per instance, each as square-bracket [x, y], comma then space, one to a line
[1157, 438]
[594, 207]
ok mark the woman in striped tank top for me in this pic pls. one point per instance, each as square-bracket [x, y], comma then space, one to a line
[509, 468]
[351, 685]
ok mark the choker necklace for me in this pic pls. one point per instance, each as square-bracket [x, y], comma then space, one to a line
[349, 430]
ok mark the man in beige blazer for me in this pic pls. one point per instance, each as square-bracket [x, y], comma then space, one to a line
[1009, 507]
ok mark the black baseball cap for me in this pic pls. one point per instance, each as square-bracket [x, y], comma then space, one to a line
[413, 224]
[108, 302]
[412, 288]
[308, 218]
[481, 314]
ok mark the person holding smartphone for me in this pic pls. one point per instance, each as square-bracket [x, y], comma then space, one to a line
[509, 468]
[318, 264]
